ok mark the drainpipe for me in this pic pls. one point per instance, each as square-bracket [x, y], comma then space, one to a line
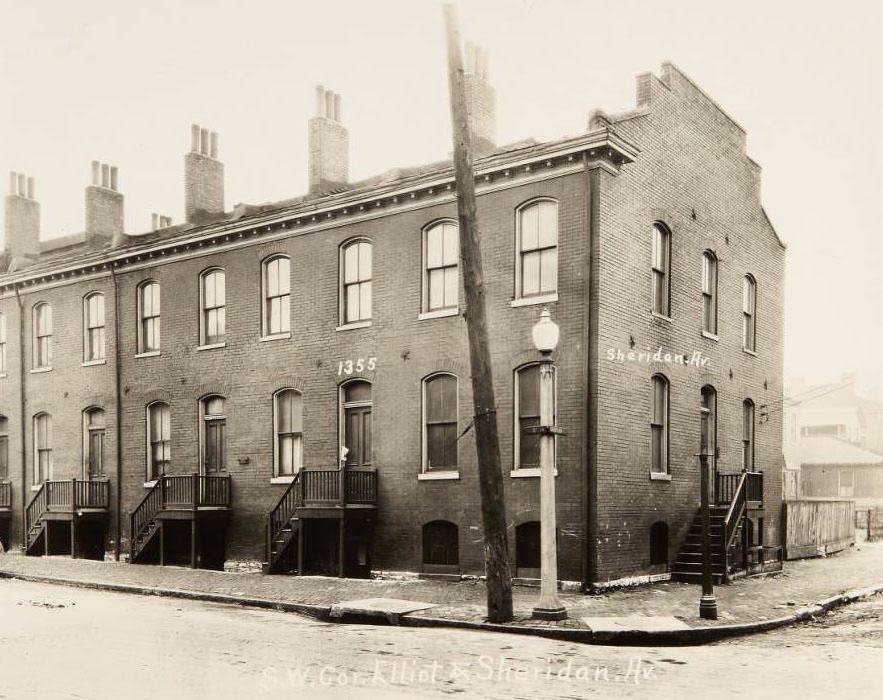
[590, 359]
[22, 409]
[119, 416]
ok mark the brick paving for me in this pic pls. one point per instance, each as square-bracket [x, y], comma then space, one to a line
[801, 583]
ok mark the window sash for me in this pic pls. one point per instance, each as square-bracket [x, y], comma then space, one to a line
[95, 457]
[149, 318]
[4, 456]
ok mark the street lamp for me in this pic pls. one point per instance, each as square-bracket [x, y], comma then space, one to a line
[545, 339]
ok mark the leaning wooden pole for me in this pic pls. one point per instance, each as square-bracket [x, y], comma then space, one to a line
[493, 511]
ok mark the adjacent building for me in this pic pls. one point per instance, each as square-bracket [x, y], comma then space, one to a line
[287, 385]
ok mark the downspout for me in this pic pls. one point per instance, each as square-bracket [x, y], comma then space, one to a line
[590, 359]
[22, 409]
[119, 416]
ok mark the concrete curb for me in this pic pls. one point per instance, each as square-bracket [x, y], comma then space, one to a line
[689, 637]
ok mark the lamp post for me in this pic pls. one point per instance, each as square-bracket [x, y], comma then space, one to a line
[545, 338]
[707, 603]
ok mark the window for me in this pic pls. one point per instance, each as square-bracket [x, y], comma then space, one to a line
[355, 278]
[536, 272]
[749, 307]
[527, 550]
[440, 423]
[93, 327]
[708, 426]
[42, 336]
[441, 255]
[159, 430]
[441, 545]
[660, 265]
[214, 434]
[709, 292]
[93, 443]
[659, 426]
[288, 418]
[658, 543]
[748, 435]
[4, 448]
[277, 296]
[148, 317]
[213, 300]
[42, 447]
[357, 429]
[2, 343]
[527, 415]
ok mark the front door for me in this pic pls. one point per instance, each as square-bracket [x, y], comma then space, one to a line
[214, 437]
[357, 423]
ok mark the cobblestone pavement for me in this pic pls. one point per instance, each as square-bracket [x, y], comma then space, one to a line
[801, 583]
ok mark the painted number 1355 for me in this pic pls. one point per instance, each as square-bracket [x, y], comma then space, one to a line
[359, 365]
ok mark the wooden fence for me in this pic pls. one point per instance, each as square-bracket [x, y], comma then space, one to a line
[814, 528]
[870, 522]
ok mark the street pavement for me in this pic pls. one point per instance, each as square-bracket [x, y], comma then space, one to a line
[748, 600]
[63, 642]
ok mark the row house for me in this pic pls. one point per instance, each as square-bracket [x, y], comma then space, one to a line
[286, 386]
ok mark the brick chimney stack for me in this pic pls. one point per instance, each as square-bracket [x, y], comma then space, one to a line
[481, 99]
[104, 206]
[328, 144]
[22, 223]
[203, 176]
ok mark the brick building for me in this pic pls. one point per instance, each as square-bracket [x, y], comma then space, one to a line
[288, 384]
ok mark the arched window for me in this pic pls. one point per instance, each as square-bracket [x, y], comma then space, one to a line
[527, 415]
[93, 327]
[441, 246]
[659, 425]
[159, 432]
[2, 344]
[93, 442]
[661, 262]
[441, 543]
[748, 435]
[288, 421]
[440, 423]
[749, 309]
[42, 447]
[355, 281]
[708, 425]
[42, 340]
[276, 312]
[527, 550]
[148, 317]
[214, 434]
[4, 448]
[536, 271]
[213, 307]
[658, 543]
[357, 430]
[709, 292]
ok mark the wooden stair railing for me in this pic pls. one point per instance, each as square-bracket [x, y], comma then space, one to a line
[141, 518]
[34, 516]
[280, 517]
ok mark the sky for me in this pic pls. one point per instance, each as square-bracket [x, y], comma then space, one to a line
[122, 81]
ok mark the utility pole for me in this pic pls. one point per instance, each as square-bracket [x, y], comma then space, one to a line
[493, 511]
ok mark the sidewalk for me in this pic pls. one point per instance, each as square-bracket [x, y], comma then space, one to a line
[757, 602]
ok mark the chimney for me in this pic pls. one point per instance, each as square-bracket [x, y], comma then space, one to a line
[481, 99]
[203, 176]
[159, 221]
[104, 206]
[328, 144]
[22, 225]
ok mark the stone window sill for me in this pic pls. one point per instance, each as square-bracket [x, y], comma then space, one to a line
[711, 336]
[355, 324]
[94, 363]
[36, 487]
[149, 353]
[538, 299]
[274, 336]
[438, 476]
[211, 346]
[439, 313]
[661, 317]
[282, 479]
[660, 476]
[40, 370]
[2, 375]
[528, 473]
[753, 353]
[151, 484]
